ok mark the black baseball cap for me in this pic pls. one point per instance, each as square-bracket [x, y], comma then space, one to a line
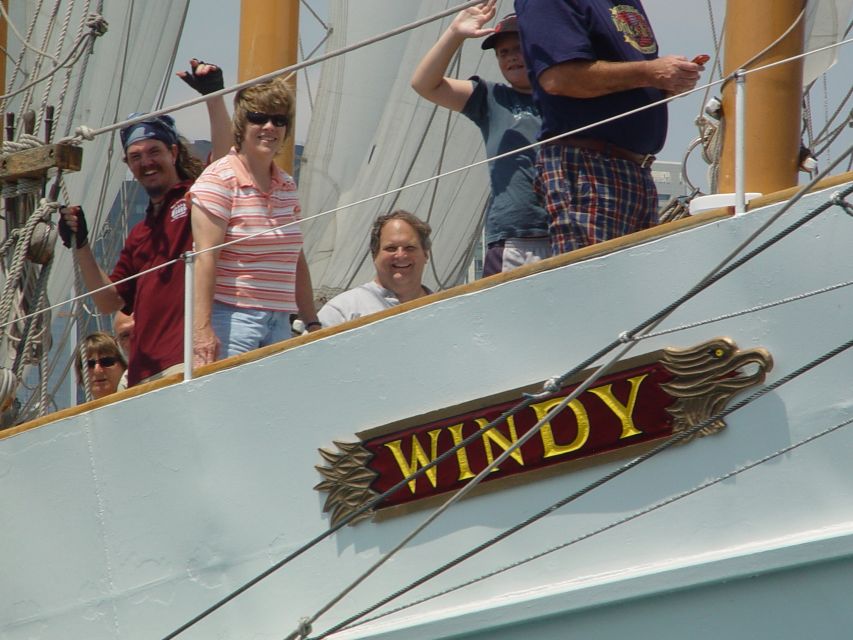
[508, 24]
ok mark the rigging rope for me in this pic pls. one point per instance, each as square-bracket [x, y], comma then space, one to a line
[627, 337]
[37, 64]
[465, 259]
[21, 56]
[97, 27]
[669, 443]
[24, 41]
[743, 312]
[617, 523]
[258, 80]
[91, 133]
[83, 69]
[66, 80]
[86, 132]
[59, 44]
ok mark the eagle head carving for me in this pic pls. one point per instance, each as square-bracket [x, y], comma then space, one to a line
[707, 376]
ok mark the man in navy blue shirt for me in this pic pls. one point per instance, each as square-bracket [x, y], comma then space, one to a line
[590, 60]
[516, 227]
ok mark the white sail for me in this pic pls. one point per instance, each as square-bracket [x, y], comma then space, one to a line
[392, 138]
[826, 21]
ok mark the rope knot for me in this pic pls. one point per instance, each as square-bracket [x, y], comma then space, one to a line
[30, 141]
[838, 199]
[304, 627]
[48, 207]
[97, 24]
[625, 337]
[551, 385]
[84, 133]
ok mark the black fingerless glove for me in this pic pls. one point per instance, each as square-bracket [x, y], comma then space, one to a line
[82, 230]
[207, 83]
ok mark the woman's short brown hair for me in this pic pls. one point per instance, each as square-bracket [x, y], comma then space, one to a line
[99, 344]
[273, 96]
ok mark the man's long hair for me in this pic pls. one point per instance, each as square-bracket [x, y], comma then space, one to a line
[187, 165]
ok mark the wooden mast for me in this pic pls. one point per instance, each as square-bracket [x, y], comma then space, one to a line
[773, 97]
[269, 40]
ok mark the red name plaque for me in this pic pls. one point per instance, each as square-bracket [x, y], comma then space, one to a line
[662, 393]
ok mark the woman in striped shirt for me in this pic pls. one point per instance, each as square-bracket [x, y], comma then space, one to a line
[246, 291]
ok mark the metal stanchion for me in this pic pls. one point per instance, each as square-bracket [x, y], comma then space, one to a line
[740, 142]
[188, 257]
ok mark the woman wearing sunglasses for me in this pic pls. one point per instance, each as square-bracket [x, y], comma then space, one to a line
[245, 292]
[105, 364]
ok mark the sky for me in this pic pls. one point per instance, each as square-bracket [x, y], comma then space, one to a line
[211, 34]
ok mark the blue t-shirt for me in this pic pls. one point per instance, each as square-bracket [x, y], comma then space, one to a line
[556, 31]
[508, 120]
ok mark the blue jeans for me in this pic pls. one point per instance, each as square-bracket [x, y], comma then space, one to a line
[240, 330]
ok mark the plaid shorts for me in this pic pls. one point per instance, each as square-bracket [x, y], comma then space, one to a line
[592, 197]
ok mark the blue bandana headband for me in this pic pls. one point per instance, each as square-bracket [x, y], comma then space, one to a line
[158, 128]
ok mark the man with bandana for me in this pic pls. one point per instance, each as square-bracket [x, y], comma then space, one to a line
[160, 161]
[590, 60]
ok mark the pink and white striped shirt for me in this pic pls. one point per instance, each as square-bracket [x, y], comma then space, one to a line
[259, 273]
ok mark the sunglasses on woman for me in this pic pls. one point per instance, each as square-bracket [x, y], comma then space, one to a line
[105, 362]
[256, 117]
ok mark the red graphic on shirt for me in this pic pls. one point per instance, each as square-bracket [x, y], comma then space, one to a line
[634, 28]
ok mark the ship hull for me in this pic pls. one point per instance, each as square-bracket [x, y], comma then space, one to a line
[127, 520]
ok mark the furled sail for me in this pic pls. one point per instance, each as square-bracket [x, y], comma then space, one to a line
[371, 133]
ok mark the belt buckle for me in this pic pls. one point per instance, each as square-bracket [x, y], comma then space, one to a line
[647, 161]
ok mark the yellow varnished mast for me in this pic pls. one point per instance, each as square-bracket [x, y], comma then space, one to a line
[773, 97]
[269, 40]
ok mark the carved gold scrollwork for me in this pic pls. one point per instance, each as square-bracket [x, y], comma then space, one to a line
[347, 481]
[707, 376]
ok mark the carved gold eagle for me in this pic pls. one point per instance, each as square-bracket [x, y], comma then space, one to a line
[707, 376]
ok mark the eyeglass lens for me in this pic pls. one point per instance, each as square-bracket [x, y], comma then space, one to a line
[256, 117]
[105, 362]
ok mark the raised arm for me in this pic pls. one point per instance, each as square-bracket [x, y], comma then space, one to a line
[429, 79]
[73, 221]
[590, 79]
[208, 231]
[207, 78]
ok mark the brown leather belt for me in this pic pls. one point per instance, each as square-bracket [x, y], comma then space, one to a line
[608, 149]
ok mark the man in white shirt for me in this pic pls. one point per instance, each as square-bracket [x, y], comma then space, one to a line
[400, 245]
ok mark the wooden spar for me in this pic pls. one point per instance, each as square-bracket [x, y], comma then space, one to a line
[773, 97]
[269, 40]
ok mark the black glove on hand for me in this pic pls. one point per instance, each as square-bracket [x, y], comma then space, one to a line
[203, 83]
[65, 231]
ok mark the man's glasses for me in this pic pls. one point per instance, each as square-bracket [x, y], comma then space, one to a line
[256, 117]
[105, 362]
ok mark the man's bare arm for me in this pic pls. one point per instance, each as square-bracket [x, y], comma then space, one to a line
[207, 78]
[72, 221]
[429, 79]
[591, 79]
[108, 300]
